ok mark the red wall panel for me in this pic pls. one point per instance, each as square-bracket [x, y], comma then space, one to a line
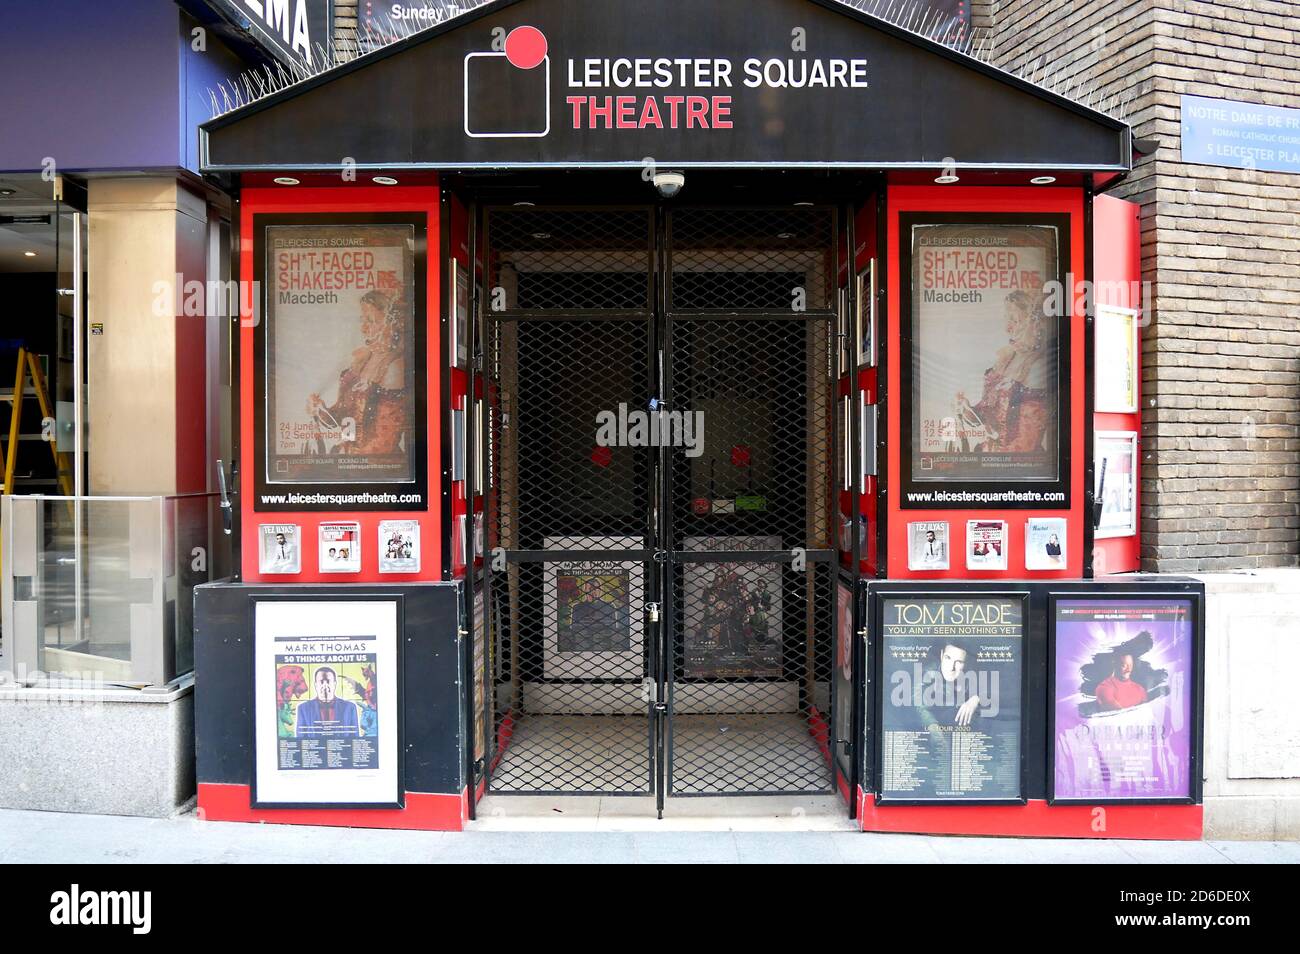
[1117, 272]
[342, 199]
[952, 198]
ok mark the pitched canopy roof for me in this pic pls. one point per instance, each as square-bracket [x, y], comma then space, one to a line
[608, 83]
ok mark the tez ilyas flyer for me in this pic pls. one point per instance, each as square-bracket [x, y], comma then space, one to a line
[951, 717]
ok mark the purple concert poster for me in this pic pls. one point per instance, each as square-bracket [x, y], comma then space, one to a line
[1123, 687]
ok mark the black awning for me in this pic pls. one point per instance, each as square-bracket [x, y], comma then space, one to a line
[685, 83]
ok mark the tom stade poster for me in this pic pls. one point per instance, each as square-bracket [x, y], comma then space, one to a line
[951, 710]
[1124, 719]
[326, 714]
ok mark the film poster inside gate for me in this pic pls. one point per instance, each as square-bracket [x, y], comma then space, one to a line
[733, 613]
[951, 716]
[593, 619]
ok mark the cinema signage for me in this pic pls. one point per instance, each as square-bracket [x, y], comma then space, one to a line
[296, 31]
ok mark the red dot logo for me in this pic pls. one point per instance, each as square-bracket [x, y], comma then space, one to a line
[525, 47]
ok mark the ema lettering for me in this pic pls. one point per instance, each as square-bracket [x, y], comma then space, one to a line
[74, 906]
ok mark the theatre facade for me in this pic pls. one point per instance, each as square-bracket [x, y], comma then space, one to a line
[650, 400]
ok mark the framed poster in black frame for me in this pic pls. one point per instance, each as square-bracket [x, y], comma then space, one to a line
[1125, 707]
[952, 676]
[984, 336]
[340, 362]
[337, 713]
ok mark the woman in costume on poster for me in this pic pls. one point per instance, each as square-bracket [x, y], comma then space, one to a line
[1016, 410]
[372, 388]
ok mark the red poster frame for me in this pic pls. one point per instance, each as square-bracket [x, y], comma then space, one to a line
[990, 200]
[350, 200]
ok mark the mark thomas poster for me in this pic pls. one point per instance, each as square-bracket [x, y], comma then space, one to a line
[951, 713]
[326, 710]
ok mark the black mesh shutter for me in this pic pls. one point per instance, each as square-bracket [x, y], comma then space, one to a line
[738, 551]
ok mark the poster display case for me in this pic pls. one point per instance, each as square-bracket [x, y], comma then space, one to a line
[1124, 685]
[339, 362]
[985, 356]
[1116, 456]
[1053, 695]
[326, 680]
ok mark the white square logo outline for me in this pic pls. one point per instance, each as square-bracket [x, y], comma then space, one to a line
[546, 63]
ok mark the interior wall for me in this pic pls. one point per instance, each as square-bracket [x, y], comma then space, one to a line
[146, 411]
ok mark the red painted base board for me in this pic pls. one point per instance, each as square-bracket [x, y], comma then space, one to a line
[424, 811]
[1036, 819]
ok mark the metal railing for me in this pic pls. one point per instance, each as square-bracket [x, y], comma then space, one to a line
[100, 588]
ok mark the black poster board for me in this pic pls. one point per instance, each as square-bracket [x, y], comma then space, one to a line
[951, 683]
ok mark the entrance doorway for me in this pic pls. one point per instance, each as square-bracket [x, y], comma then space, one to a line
[659, 433]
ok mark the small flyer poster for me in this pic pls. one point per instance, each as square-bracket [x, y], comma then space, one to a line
[399, 546]
[340, 547]
[281, 550]
[1045, 543]
[986, 544]
[927, 545]
[326, 673]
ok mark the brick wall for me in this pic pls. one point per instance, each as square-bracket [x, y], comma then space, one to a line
[345, 28]
[1221, 247]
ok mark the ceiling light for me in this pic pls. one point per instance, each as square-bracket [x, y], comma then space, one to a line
[8, 191]
[1043, 180]
[383, 180]
[30, 254]
[286, 180]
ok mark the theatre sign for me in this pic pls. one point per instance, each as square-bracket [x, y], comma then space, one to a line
[609, 84]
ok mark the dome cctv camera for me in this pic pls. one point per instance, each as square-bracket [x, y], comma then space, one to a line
[669, 183]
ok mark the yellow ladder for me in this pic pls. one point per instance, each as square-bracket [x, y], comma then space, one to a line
[27, 363]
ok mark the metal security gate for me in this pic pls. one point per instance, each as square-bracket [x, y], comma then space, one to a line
[660, 428]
